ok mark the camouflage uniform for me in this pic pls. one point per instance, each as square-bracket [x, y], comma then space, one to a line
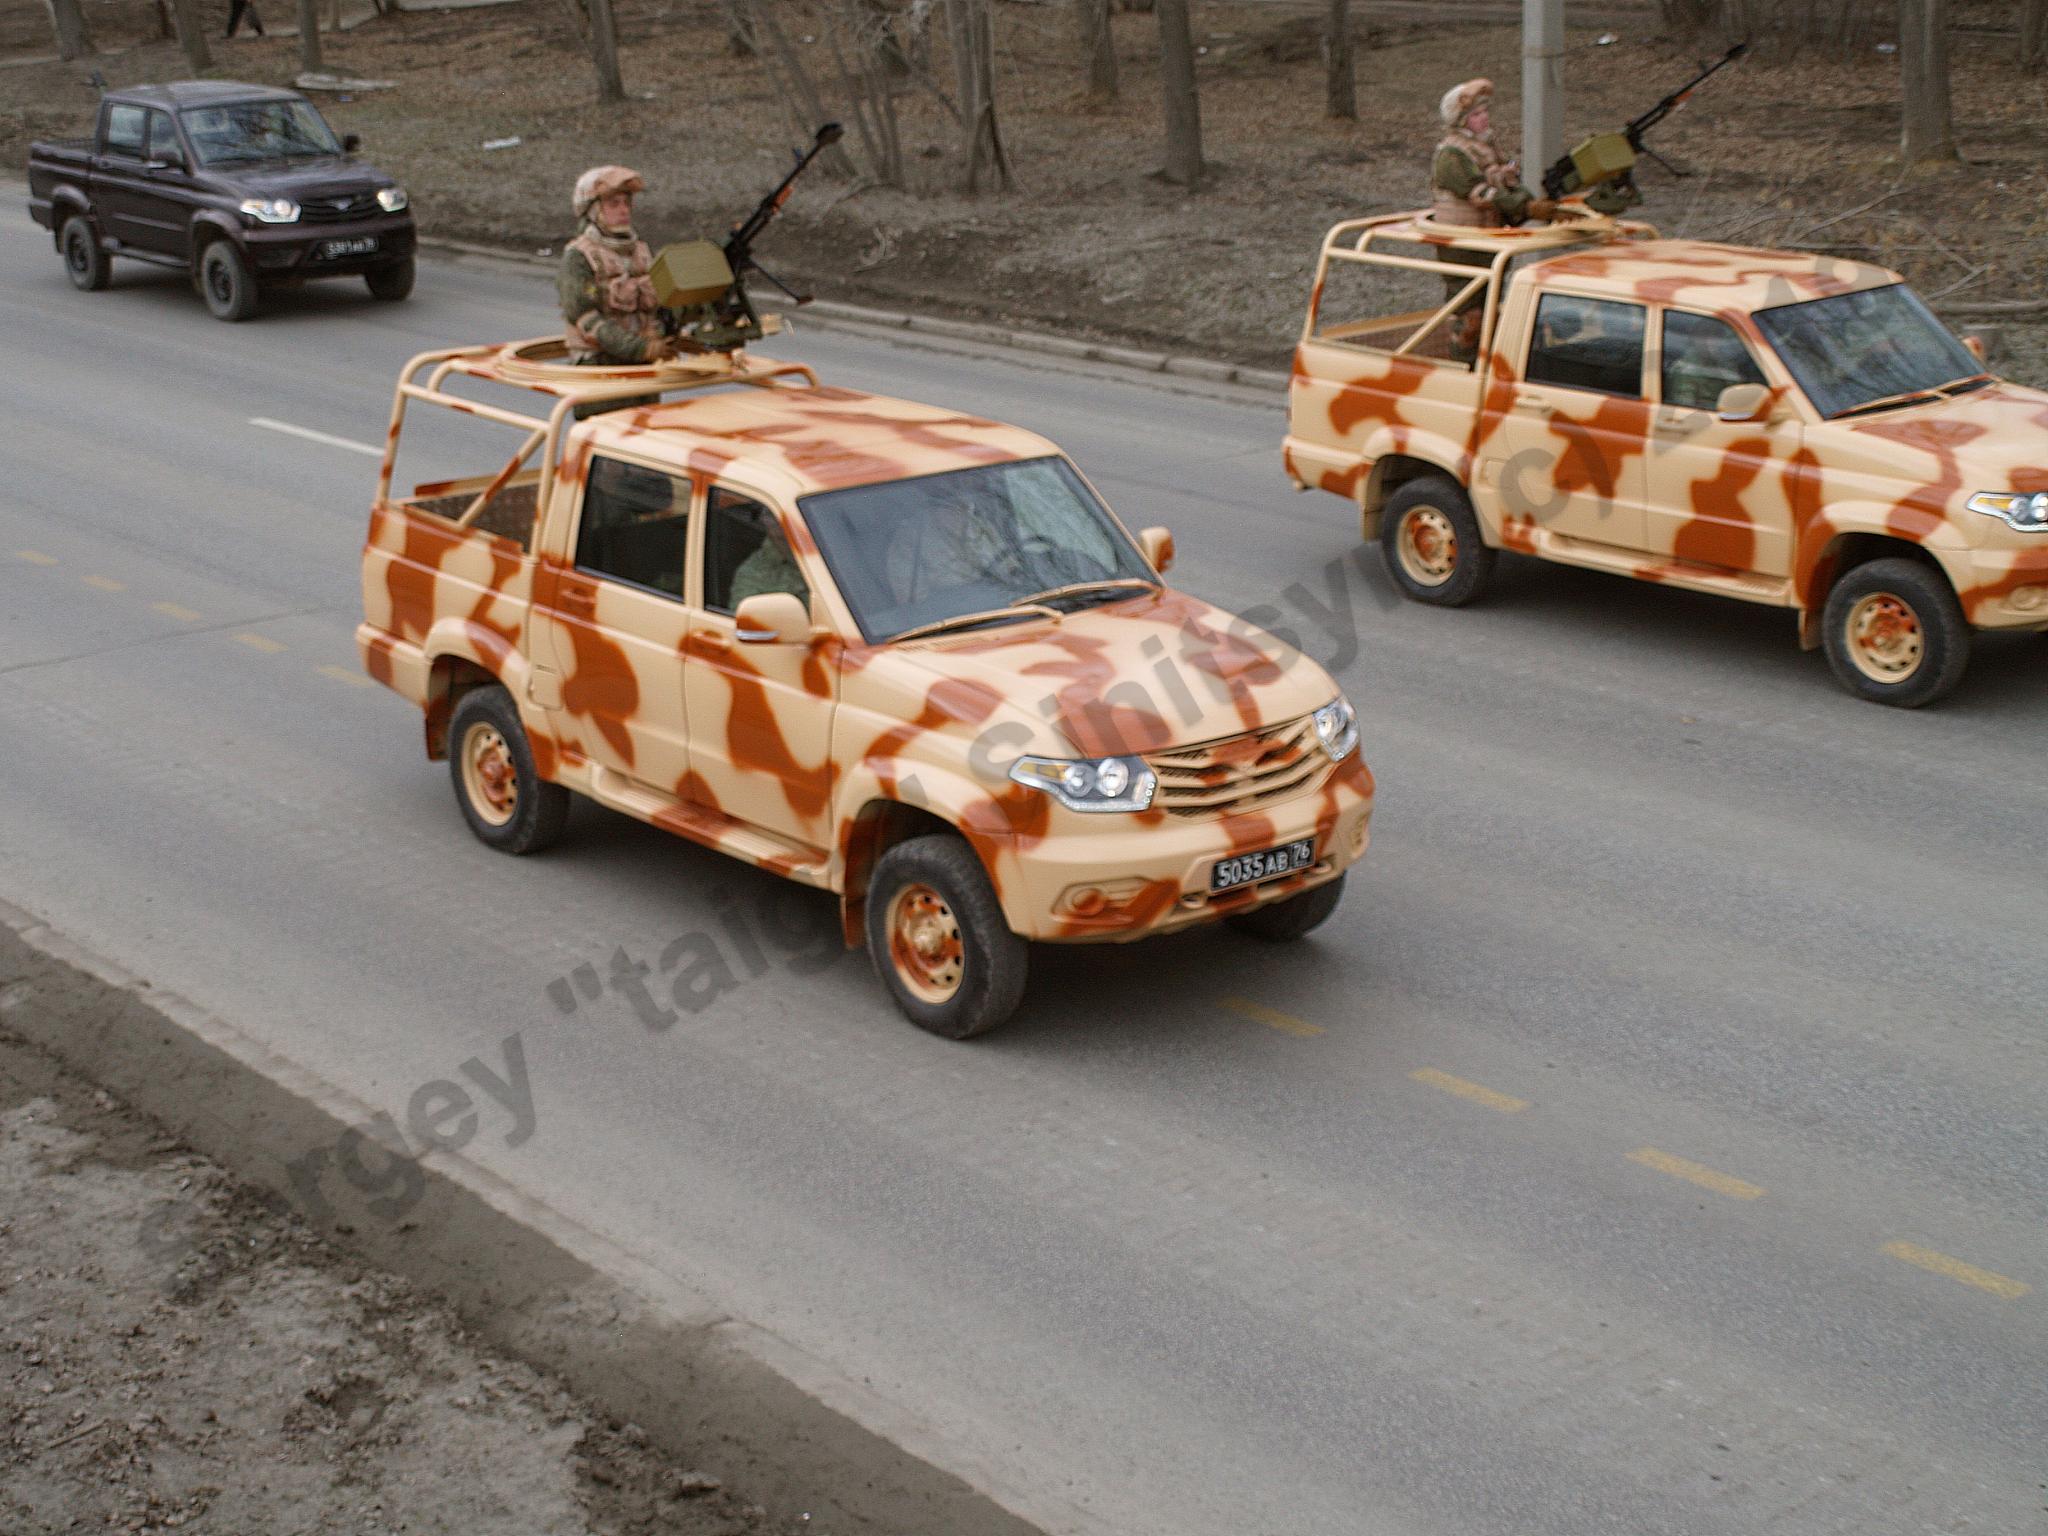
[608, 302]
[1477, 187]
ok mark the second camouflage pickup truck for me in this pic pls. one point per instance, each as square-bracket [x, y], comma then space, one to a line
[1783, 428]
[886, 649]
[243, 186]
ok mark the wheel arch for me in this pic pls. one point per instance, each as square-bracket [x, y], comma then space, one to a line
[1835, 554]
[1391, 471]
[463, 655]
[875, 828]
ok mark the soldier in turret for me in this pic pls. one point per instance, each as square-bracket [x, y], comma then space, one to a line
[608, 303]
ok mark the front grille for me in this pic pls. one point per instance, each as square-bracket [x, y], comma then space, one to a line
[1240, 773]
[325, 207]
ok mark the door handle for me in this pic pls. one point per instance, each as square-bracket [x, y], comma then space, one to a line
[713, 641]
[577, 600]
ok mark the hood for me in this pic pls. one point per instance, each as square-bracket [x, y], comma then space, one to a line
[1154, 671]
[1992, 439]
[330, 176]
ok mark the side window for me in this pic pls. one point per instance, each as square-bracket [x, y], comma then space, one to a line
[1587, 344]
[636, 526]
[124, 130]
[745, 553]
[1702, 357]
[163, 139]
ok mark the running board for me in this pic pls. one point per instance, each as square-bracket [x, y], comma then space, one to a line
[714, 829]
[1748, 586]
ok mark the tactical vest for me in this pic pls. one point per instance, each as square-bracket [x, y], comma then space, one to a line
[1446, 207]
[627, 295]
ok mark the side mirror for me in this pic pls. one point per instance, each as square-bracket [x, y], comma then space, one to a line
[1743, 402]
[351, 142]
[1977, 349]
[769, 617]
[1157, 544]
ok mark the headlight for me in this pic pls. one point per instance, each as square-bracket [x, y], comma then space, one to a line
[1097, 784]
[2028, 513]
[392, 199]
[1337, 729]
[271, 210]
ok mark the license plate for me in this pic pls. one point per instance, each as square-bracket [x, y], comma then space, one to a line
[362, 245]
[1250, 868]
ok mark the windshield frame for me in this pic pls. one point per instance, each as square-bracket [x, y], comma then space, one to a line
[294, 107]
[1828, 403]
[817, 509]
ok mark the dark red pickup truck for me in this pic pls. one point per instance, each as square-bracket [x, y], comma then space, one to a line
[244, 186]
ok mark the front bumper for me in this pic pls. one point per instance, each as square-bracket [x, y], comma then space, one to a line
[1152, 869]
[287, 251]
[2005, 588]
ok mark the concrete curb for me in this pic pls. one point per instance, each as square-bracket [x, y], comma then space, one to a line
[742, 1403]
[831, 312]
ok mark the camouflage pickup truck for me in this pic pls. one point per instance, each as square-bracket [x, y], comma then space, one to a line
[1787, 429]
[896, 652]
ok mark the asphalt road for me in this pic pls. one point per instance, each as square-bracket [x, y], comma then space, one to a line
[1654, 1142]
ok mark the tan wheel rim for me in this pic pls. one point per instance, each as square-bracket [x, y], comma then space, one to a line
[1429, 546]
[1885, 639]
[488, 775]
[924, 944]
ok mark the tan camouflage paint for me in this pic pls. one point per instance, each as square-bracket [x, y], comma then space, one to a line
[816, 743]
[1723, 498]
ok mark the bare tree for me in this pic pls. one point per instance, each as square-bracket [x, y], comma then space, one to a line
[869, 82]
[1340, 91]
[73, 41]
[2033, 34]
[1928, 132]
[309, 36]
[800, 99]
[604, 51]
[191, 35]
[971, 32]
[739, 30]
[1183, 105]
[1098, 47]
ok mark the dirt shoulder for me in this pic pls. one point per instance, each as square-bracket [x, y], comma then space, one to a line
[1090, 241]
[176, 1353]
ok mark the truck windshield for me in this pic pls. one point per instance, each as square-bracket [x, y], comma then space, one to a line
[258, 130]
[912, 553]
[1859, 349]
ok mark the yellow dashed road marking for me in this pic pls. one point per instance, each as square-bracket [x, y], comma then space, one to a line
[260, 643]
[1272, 1018]
[106, 583]
[1697, 1173]
[1956, 1269]
[176, 611]
[1506, 1103]
[343, 675]
[35, 557]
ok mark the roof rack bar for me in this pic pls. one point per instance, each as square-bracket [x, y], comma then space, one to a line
[504, 476]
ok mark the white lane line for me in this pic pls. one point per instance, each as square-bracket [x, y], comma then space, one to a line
[316, 437]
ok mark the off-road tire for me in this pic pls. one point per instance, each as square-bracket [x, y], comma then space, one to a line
[1282, 922]
[390, 283]
[1895, 634]
[225, 281]
[1430, 537]
[532, 815]
[937, 883]
[86, 261]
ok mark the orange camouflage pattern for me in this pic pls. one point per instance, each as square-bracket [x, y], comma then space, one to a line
[1767, 510]
[808, 757]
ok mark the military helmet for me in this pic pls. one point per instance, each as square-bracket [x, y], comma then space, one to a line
[1460, 101]
[601, 181]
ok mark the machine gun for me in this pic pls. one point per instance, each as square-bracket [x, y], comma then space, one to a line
[1611, 157]
[701, 285]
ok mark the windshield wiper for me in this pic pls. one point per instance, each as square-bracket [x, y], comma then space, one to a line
[1907, 397]
[1074, 588]
[986, 616]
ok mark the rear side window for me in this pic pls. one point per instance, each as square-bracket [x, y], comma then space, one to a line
[1702, 357]
[1594, 344]
[636, 526]
[124, 130]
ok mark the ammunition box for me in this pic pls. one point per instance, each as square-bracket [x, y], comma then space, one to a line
[689, 272]
[1602, 158]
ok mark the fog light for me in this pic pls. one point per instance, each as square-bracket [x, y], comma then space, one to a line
[2027, 599]
[1085, 902]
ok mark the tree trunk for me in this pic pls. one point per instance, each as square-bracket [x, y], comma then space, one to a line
[1340, 90]
[1098, 47]
[974, 71]
[604, 52]
[1183, 105]
[1928, 133]
[192, 35]
[309, 36]
[73, 40]
[2033, 34]
[800, 99]
[739, 31]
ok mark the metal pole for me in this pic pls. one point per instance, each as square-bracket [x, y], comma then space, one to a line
[1542, 84]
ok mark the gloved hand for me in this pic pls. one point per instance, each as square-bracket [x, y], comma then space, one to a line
[1553, 212]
